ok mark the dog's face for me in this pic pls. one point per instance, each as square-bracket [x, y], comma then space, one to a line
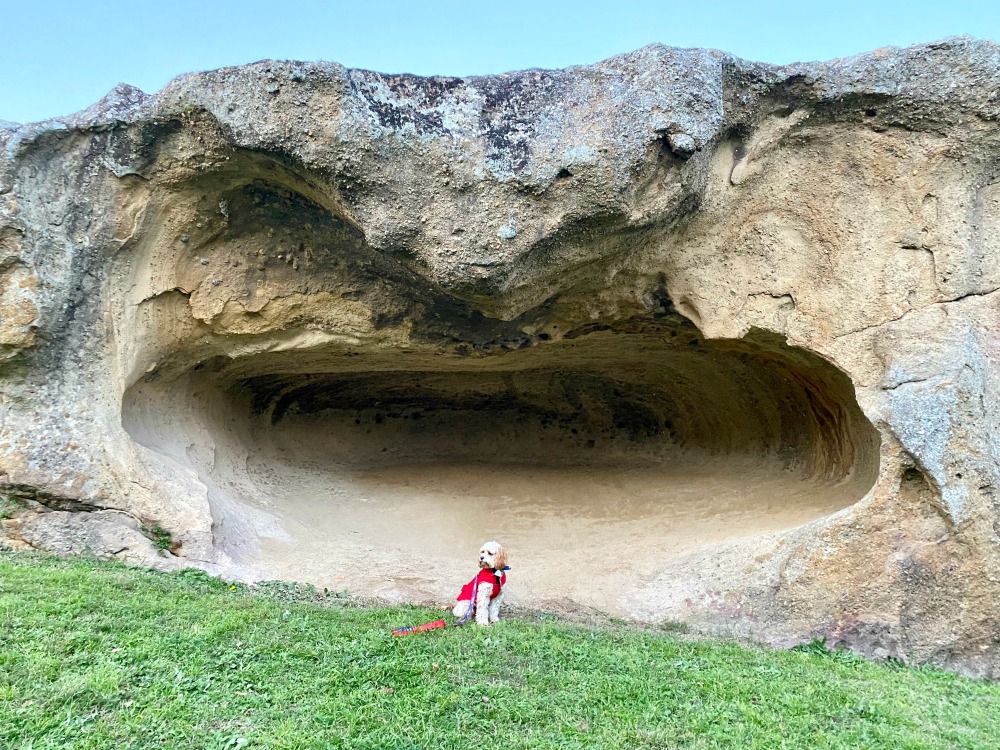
[492, 555]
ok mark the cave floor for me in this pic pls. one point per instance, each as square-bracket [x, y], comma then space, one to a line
[578, 536]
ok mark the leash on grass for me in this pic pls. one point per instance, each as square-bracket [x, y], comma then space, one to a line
[410, 630]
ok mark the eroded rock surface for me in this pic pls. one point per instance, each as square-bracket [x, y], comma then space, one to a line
[697, 338]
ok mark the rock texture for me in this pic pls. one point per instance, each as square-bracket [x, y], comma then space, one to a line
[268, 307]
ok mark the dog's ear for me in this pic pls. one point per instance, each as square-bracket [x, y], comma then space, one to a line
[501, 558]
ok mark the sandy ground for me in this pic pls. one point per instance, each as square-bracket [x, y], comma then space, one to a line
[578, 536]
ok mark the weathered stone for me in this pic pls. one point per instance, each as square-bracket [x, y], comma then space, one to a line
[723, 334]
[682, 144]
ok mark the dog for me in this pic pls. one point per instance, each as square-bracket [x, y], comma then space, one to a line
[484, 594]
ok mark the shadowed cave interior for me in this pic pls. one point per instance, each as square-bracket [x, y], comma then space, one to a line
[382, 471]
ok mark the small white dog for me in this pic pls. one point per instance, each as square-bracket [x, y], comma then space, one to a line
[484, 593]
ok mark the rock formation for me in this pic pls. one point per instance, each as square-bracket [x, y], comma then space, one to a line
[698, 338]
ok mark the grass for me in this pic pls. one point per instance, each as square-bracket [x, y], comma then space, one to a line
[94, 655]
[7, 507]
[160, 537]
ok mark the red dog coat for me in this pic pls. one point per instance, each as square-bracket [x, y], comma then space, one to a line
[485, 576]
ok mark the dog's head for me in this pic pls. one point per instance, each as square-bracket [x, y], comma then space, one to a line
[492, 555]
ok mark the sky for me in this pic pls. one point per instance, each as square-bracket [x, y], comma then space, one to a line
[60, 57]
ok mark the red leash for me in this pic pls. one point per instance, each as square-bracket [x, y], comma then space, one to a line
[420, 628]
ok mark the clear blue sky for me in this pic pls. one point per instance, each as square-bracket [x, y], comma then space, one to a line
[59, 57]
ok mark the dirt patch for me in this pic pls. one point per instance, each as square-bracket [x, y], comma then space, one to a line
[580, 537]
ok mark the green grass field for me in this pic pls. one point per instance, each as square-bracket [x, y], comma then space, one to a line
[94, 655]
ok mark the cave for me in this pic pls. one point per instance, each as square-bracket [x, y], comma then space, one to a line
[358, 425]
[597, 457]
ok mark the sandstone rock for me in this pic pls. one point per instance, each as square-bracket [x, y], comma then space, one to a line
[722, 333]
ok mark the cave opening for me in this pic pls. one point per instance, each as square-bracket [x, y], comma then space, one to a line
[381, 471]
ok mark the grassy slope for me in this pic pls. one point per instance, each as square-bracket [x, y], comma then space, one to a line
[100, 656]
